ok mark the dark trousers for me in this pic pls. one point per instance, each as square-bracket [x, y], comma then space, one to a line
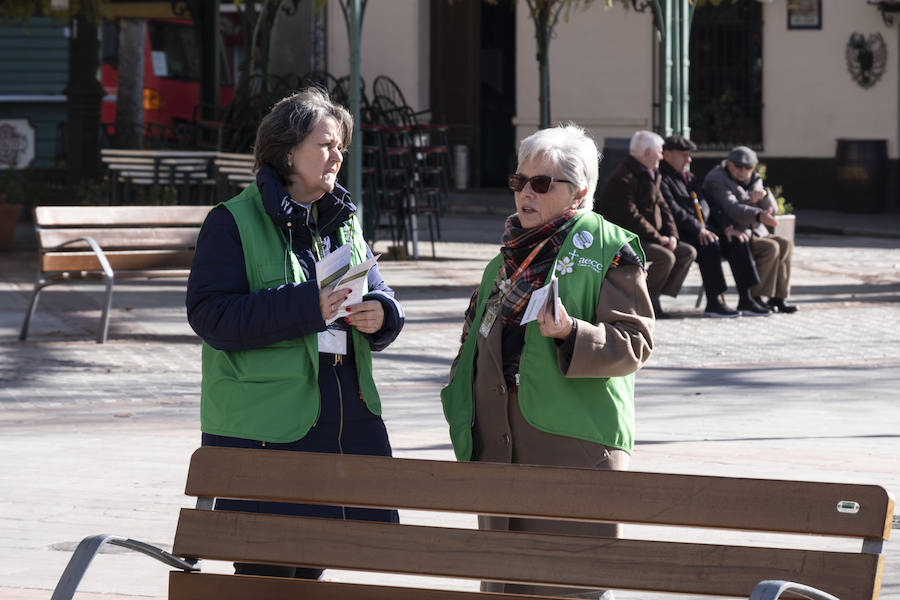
[709, 259]
[345, 426]
[743, 267]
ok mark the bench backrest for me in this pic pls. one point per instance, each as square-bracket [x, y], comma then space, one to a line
[731, 569]
[132, 237]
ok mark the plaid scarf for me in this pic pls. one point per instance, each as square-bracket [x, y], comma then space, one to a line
[517, 245]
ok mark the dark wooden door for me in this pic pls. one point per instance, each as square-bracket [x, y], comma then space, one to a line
[456, 75]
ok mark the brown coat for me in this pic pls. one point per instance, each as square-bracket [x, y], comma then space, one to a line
[617, 343]
[631, 199]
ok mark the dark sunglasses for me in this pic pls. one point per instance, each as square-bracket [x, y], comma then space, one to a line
[539, 183]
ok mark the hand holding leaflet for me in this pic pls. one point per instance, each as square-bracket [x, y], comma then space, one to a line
[336, 271]
[540, 297]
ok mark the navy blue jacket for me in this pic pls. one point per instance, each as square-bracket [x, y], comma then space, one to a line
[220, 307]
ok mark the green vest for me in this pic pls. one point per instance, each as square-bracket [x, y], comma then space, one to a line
[272, 393]
[598, 410]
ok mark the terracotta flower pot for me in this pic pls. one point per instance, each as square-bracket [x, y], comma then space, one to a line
[9, 218]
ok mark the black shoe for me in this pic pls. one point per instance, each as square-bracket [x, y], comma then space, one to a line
[751, 308]
[781, 305]
[719, 310]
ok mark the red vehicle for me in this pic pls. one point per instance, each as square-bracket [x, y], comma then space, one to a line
[171, 76]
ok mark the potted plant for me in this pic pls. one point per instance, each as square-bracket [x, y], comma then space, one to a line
[785, 211]
[12, 193]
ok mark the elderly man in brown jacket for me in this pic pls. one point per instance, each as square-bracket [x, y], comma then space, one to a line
[631, 199]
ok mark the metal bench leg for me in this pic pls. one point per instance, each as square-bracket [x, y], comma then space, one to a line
[89, 547]
[32, 307]
[107, 304]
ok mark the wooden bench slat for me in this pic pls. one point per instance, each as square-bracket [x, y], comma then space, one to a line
[125, 260]
[191, 586]
[120, 216]
[129, 237]
[157, 153]
[588, 562]
[622, 496]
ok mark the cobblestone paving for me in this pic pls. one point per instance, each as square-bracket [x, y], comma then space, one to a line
[96, 437]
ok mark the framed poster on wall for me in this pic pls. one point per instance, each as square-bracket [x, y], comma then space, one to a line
[804, 14]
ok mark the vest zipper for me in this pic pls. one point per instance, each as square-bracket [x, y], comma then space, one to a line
[340, 424]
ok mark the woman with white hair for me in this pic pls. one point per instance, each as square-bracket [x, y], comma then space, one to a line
[558, 390]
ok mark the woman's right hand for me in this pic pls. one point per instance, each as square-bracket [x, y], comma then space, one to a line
[330, 301]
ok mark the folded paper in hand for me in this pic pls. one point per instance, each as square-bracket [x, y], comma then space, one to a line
[335, 271]
[541, 296]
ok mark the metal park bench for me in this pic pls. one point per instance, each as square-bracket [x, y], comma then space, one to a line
[112, 242]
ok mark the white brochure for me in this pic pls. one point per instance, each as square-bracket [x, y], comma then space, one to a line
[335, 271]
[539, 297]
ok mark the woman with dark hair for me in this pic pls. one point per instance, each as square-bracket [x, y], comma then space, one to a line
[275, 376]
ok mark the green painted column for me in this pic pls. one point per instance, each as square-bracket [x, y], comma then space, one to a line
[687, 9]
[353, 14]
[673, 20]
[675, 32]
[665, 68]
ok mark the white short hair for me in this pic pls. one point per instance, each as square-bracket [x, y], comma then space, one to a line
[642, 140]
[571, 150]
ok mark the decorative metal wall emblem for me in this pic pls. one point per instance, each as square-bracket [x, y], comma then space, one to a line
[866, 58]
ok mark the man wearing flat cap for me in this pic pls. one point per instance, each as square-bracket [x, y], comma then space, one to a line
[736, 194]
[697, 227]
[632, 200]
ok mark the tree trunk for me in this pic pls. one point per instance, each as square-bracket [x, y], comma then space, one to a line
[130, 91]
[84, 97]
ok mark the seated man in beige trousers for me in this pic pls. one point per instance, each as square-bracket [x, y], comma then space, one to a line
[735, 190]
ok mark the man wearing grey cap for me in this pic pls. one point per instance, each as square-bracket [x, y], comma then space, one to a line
[737, 195]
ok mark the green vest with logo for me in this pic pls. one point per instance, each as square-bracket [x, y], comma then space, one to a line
[272, 393]
[595, 409]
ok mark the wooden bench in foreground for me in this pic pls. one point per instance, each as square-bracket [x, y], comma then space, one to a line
[738, 507]
[112, 242]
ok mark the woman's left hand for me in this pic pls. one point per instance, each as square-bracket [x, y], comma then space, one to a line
[366, 316]
[548, 326]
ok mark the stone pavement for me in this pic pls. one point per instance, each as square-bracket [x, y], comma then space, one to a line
[96, 438]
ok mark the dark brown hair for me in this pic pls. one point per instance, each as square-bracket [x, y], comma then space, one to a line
[290, 121]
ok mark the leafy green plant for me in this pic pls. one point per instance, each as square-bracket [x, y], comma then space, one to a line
[784, 207]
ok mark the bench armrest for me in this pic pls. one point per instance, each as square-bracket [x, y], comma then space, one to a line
[772, 589]
[90, 546]
[95, 248]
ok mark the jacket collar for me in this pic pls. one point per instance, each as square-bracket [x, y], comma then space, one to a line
[333, 209]
[638, 168]
[754, 176]
[667, 170]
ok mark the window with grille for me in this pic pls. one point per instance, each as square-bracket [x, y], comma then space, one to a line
[726, 75]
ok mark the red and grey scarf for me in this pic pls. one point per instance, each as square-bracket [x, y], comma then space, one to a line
[518, 244]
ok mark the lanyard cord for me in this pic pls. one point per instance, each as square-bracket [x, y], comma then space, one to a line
[528, 260]
[318, 247]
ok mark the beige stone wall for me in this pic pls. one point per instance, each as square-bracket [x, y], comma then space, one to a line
[601, 77]
[394, 43]
[600, 72]
[810, 97]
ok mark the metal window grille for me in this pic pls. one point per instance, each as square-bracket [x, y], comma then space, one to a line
[726, 76]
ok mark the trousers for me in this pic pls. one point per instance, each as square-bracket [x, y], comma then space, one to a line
[667, 269]
[773, 261]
